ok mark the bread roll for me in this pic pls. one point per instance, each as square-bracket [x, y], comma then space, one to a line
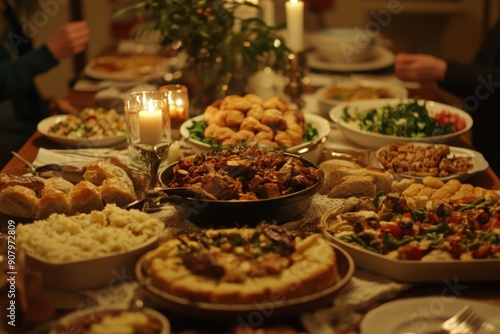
[96, 172]
[115, 191]
[18, 201]
[382, 179]
[52, 201]
[354, 185]
[85, 197]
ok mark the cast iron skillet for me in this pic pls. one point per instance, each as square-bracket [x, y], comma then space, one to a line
[208, 213]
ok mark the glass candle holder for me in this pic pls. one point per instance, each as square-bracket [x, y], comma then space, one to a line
[148, 128]
[178, 100]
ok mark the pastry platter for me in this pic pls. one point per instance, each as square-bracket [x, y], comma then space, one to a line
[273, 308]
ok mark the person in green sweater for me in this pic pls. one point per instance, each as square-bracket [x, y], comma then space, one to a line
[21, 105]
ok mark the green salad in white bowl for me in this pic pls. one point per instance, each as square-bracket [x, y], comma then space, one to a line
[376, 123]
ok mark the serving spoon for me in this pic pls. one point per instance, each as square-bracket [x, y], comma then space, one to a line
[70, 173]
[159, 195]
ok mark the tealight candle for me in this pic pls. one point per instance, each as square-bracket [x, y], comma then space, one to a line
[178, 102]
[295, 25]
[151, 125]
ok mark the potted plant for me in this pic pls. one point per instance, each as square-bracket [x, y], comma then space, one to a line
[224, 44]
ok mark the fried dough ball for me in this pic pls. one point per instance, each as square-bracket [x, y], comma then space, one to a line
[230, 141]
[297, 137]
[257, 112]
[275, 102]
[223, 133]
[209, 114]
[210, 130]
[283, 139]
[254, 125]
[242, 135]
[263, 136]
[234, 118]
[268, 143]
[236, 102]
[220, 117]
[274, 119]
[295, 117]
[254, 99]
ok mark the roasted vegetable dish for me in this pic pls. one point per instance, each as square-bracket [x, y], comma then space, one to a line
[439, 231]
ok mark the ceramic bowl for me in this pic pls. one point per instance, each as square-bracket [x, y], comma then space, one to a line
[343, 45]
[374, 140]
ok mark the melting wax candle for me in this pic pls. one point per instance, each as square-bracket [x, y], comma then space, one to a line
[151, 125]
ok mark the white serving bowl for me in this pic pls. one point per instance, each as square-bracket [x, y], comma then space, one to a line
[374, 140]
[69, 323]
[100, 272]
[353, 90]
[343, 45]
[310, 150]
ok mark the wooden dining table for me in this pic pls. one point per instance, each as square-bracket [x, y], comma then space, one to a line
[487, 291]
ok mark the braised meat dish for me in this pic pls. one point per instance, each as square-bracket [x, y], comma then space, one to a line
[244, 174]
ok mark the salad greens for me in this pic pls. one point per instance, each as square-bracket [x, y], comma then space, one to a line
[409, 119]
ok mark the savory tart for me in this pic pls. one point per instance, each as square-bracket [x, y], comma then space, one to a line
[242, 265]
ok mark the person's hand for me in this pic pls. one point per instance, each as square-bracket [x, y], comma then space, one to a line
[69, 40]
[419, 67]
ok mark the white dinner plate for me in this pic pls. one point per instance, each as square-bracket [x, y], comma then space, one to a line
[45, 124]
[383, 58]
[423, 315]
[326, 104]
[479, 164]
[137, 66]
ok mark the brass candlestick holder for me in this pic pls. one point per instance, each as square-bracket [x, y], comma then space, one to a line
[295, 73]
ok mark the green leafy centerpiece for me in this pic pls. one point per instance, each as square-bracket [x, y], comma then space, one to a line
[225, 41]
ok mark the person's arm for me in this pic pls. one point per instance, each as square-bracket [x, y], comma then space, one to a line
[18, 75]
[471, 80]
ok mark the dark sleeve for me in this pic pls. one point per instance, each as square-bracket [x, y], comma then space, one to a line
[18, 75]
[471, 80]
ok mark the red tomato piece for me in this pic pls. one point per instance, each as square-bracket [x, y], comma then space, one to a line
[482, 252]
[393, 229]
[410, 252]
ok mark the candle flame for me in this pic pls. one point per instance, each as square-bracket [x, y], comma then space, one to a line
[151, 106]
[179, 102]
[294, 1]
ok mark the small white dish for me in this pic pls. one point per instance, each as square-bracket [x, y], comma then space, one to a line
[382, 58]
[73, 322]
[423, 315]
[357, 90]
[375, 140]
[45, 124]
[479, 164]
